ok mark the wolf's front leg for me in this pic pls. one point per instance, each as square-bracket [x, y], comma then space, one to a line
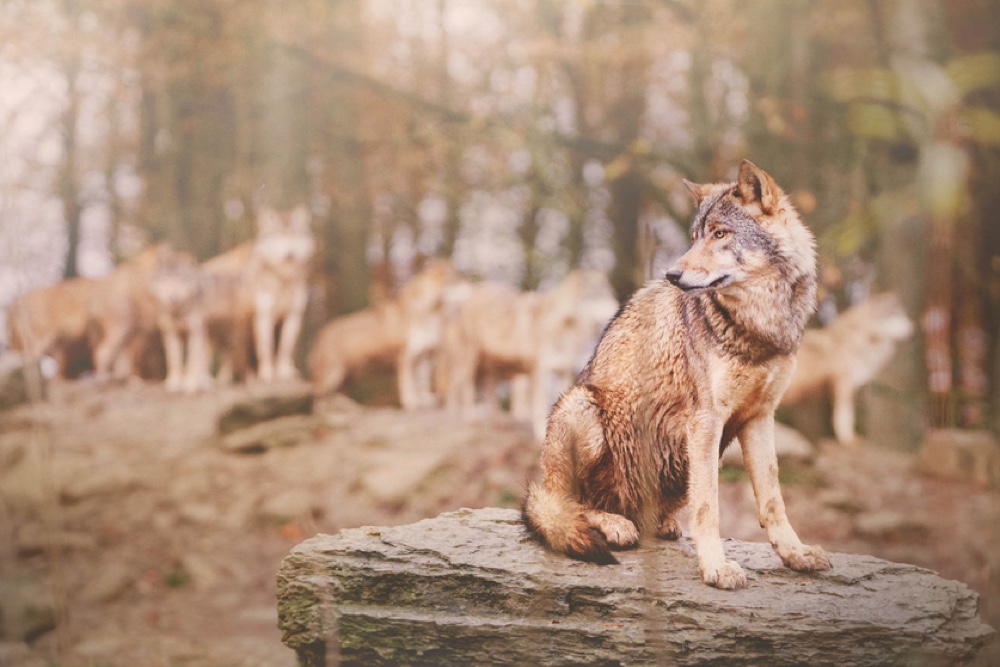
[843, 413]
[263, 334]
[197, 375]
[285, 363]
[704, 434]
[173, 350]
[761, 460]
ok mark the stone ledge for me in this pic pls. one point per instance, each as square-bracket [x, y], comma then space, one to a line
[469, 587]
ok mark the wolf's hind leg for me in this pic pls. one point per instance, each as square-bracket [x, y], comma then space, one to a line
[761, 461]
[619, 531]
[670, 528]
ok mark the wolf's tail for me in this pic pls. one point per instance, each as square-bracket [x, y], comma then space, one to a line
[559, 521]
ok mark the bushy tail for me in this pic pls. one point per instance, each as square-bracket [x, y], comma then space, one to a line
[559, 522]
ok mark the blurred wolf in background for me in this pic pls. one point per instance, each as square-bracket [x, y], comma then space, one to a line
[687, 365]
[403, 333]
[51, 321]
[177, 286]
[500, 333]
[844, 356]
[278, 283]
[259, 287]
[106, 313]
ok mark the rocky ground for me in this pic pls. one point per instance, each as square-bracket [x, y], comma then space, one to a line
[132, 533]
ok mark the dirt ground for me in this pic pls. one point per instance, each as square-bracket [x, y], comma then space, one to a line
[147, 542]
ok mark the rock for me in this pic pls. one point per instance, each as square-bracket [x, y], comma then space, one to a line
[961, 455]
[886, 525]
[27, 609]
[109, 583]
[790, 445]
[265, 403]
[102, 481]
[19, 654]
[289, 505]
[469, 587]
[280, 432]
[35, 538]
[14, 389]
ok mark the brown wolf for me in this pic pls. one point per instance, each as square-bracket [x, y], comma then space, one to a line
[51, 320]
[404, 333]
[688, 364]
[105, 312]
[501, 333]
[122, 307]
[845, 355]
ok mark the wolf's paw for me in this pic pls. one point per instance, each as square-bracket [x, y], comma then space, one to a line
[807, 559]
[727, 576]
[669, 529]
[619, 531]
[287, 372]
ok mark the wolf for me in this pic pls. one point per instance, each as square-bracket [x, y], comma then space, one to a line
[104, 313]
[278, 284]
[177, 286]
[688, 364]
[52, 320]
[542, 340]
[403, 333]
[258, 287]
[845, 355]
[122, 307]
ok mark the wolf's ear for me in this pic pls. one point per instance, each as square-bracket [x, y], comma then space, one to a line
[696, 190]
[756, 185]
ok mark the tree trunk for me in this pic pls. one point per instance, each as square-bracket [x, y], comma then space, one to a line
[69, 184]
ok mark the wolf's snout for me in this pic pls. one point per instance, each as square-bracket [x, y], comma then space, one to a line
[696, 283]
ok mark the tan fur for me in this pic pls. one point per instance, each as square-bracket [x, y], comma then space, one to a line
[51, 319]
[500, 333]
[106, 312]
[277, 279]
[177, 287]
[688, 365]
[120, 309]
[845, 355]
[404, 333]
[260, 285]
[423, 302]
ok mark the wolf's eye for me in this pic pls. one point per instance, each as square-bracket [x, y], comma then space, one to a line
[719, 234]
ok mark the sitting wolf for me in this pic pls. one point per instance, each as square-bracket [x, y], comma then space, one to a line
[687, 365]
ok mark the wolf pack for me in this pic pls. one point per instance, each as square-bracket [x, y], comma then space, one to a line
[633, 403]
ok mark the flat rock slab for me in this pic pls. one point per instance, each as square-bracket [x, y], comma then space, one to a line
[469, 587]
[265, 402]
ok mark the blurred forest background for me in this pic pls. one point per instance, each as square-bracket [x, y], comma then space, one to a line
[523, 138]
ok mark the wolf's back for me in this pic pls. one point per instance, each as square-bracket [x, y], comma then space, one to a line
[559, 522]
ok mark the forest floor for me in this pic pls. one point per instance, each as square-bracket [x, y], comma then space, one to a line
[154, 545]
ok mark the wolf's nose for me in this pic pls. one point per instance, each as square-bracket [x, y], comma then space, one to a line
[674, 276]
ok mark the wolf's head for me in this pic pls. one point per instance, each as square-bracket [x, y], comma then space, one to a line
[176, 283]
[284, 238]
[742, 231]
